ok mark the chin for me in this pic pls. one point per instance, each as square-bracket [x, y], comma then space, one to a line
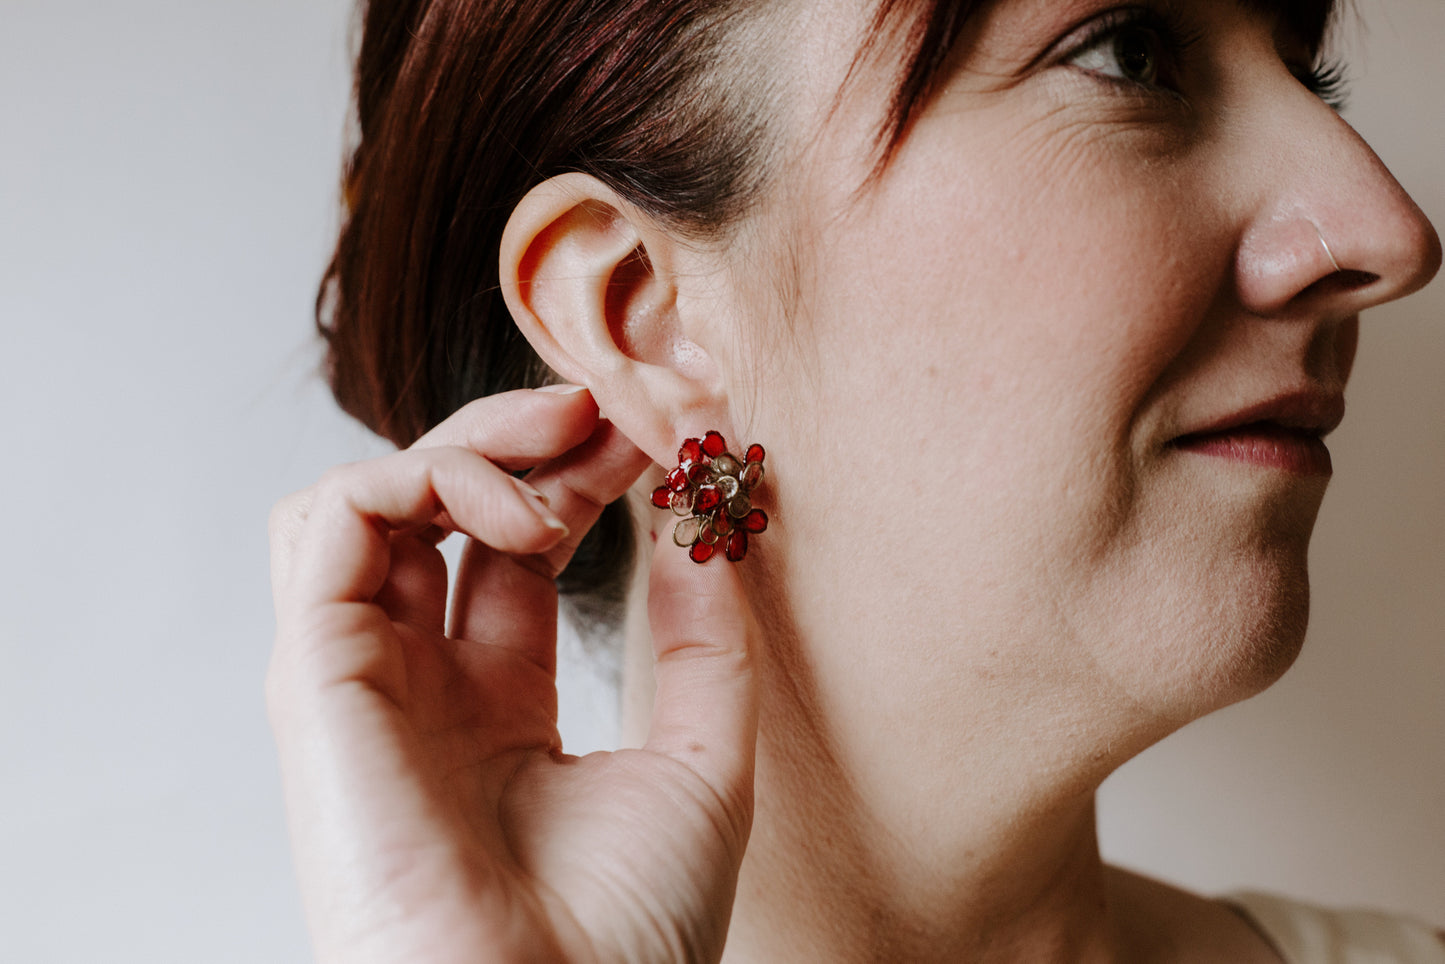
[1219, 635]
[1265, 644]
[1247, 644]
[1221, 599]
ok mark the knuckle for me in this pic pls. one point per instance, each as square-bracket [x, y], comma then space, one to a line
[288, 514]
[340, 486]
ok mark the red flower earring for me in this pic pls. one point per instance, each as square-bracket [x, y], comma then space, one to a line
[711, 489]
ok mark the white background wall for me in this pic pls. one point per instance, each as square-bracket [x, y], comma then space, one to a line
[167, 178]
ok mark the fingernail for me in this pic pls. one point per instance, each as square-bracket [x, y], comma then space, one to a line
[563, 389]
[541, 506]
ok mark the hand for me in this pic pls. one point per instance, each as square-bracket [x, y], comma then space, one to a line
[433, 814]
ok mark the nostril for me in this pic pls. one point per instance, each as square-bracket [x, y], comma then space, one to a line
[1349, 280]
[1341, 282]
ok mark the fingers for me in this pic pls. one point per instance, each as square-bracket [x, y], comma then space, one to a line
[287, 517]
[363, 571]
[329, 542]
[415, 592]
[355, 757]
[514, 430]
[705, 713]
[507, 603]
[581, 463]
[583, 481]
[520, 429]
[498, 598]
[342, 553]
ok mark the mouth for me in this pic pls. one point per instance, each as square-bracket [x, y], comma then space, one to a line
[1266, 445]
[1285, 433]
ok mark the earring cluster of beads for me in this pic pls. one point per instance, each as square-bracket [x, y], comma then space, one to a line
[711, 489]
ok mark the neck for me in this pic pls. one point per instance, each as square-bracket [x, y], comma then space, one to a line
[853, 859]
[829, 877]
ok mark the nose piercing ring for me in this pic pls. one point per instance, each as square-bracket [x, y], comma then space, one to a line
[1328, 253]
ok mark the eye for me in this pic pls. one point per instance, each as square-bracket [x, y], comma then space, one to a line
[1128, 52]
[1138, 48]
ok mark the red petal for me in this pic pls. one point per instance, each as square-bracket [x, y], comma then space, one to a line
[677, 480]
[755, 453]
[755, 521]
[662, 497]
[737, 545]
[691, 450]
[701, 552]
[699, 473]
[714, 444]
[751, 475]
[709, 497]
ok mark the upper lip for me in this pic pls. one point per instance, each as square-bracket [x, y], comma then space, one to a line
[1312, 412]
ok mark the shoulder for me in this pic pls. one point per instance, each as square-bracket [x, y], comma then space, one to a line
[1305, 933]
[1161, 922]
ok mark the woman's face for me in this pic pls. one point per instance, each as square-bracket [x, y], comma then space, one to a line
[984, 375]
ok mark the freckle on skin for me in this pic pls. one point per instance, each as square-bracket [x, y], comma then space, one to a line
[695, 747]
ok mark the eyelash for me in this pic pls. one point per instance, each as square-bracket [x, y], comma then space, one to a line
[1326, 79]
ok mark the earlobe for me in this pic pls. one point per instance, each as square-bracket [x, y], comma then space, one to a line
[591, 284]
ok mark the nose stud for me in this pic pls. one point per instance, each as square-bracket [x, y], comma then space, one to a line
[711, 489]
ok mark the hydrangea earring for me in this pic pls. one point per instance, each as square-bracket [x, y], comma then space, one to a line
[711, 489]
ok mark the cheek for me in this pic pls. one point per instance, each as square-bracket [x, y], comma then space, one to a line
[997, 310]
[982, 338]
[968, 394]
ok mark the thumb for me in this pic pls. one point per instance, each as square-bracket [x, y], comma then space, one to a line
[706, 710]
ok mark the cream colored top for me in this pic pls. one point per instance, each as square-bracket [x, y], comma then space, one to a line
[1305, 934]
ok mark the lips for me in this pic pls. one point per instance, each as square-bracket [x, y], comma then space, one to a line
[1285, 433]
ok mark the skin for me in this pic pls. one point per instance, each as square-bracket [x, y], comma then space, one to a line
[990, 579]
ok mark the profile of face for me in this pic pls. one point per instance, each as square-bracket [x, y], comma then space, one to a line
[1111, 232]
[1043, 394]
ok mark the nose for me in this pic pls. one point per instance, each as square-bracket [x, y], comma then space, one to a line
[1332, 232]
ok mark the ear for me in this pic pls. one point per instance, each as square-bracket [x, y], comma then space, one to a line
[593, 284]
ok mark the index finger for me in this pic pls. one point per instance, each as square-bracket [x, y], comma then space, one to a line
[519, 429]
[514, 430]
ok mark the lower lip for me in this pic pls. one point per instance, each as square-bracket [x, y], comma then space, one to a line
[1266, 446]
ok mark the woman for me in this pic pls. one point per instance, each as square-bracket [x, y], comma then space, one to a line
[1042, 311]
